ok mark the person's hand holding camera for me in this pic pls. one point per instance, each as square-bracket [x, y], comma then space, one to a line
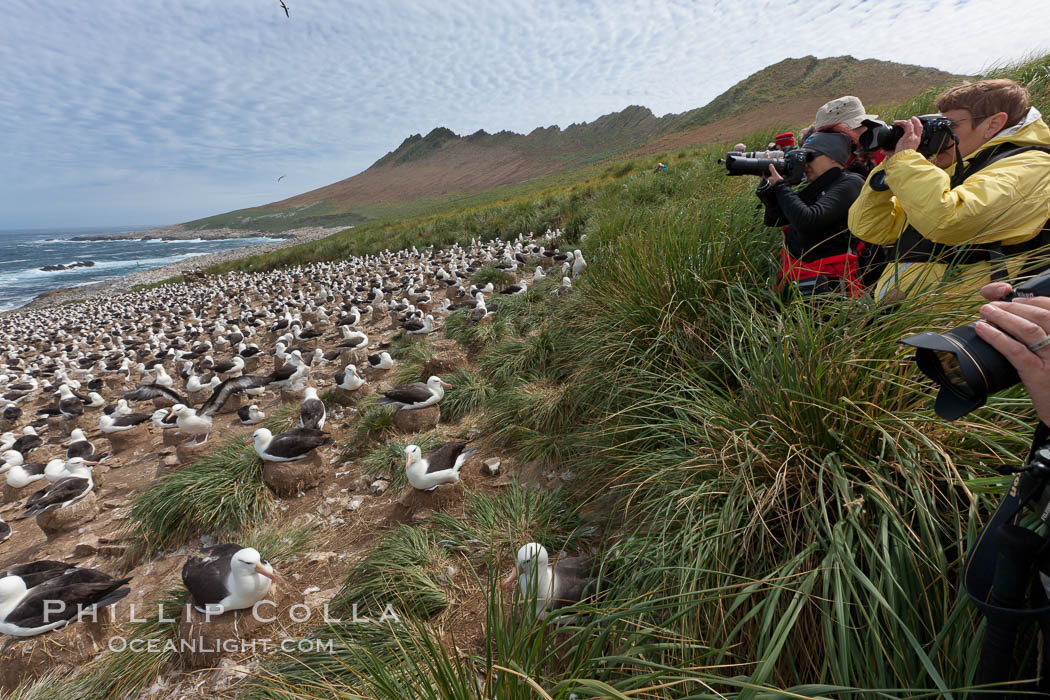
[1020, 330]
[912, 136]
[774, 177]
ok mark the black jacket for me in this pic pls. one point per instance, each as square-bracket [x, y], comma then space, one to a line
[816, 216]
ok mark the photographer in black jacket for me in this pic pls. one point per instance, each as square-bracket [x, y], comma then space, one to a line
[818, 256]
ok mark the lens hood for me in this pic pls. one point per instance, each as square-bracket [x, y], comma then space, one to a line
[966, 368]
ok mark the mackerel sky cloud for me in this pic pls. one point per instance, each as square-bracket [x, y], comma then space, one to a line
[130, 112]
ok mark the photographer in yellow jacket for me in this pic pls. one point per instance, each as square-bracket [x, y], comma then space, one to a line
[964, 197]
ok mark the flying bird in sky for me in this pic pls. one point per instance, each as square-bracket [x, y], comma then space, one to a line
[281, 178]
[285, 9]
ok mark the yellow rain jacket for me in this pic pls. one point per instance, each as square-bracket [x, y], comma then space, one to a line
[1006, 202]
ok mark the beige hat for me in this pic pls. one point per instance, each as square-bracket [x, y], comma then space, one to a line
[846, 110]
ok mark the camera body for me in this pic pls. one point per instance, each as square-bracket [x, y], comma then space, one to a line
[937, 135]
[792, 166]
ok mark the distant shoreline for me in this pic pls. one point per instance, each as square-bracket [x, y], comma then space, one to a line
[119, 285]
[178, 233]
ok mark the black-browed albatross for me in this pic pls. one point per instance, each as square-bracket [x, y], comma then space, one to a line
[227, 577]
[27, 612]
[288, 446]
[415, 395]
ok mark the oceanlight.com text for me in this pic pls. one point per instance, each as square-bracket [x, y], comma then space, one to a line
[199, 645]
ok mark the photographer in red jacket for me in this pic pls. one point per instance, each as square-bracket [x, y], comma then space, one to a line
[818, 257]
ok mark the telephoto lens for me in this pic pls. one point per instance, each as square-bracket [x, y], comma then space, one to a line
[967, 369]
[791, 165]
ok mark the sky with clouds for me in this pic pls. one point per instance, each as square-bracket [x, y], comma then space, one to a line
[132, 113]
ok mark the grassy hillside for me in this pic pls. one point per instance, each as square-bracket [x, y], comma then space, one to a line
[443, 166]
[276, 220]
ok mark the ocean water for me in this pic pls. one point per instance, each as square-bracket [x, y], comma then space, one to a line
[24, 252]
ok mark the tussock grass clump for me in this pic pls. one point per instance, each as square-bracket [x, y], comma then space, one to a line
[412, 660]
[408, 569]
[222, 492]
[491, 273]
[55, 685]
[524, 312]
[321, 674]
[469, 393]
[410, 356]
[407, 349]
[474, 336]
[282, 419]
[517, 358]
[373, 422]
[456, 326]
[125, 673]
[281, 543]
[520, 513]
[536, 418]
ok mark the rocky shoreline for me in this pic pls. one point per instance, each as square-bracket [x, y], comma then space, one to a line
[178, 233]
[120, 285]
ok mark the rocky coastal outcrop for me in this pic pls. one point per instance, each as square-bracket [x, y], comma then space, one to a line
[70, 266]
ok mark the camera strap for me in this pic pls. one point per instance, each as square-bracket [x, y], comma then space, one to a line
[999, 534]
[1001, 577]
[1025, 489]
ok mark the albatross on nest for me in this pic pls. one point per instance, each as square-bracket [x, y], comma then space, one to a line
[349, 379]
[415, 395]
[228, 577]
[381, 361]
[20, 474]
[29, 441]
[120, 422]
[312, 413]
[68, 404]
[552, 586]
[64, 492]
[439, 467]
[26, 612]
[198, 422]
[79, 445]
[36, 572]
[250, 415]
[419, 327]
[289, 446]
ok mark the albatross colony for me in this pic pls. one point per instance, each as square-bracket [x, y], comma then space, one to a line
[78, 381]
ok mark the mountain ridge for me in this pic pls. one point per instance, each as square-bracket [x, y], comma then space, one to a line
[443, 163]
